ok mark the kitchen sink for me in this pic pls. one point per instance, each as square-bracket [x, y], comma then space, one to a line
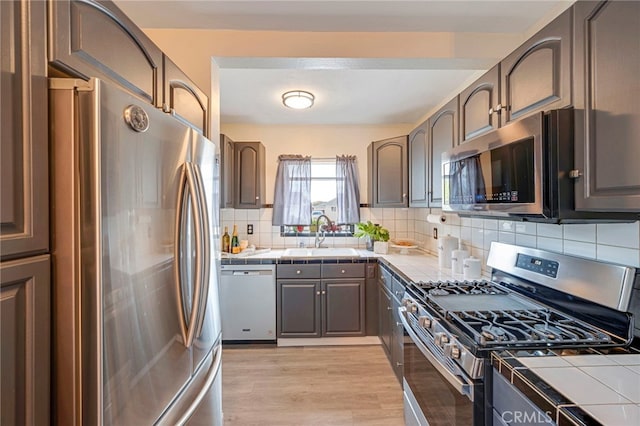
[321, 252]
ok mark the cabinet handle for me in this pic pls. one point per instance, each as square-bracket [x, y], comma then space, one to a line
[298, 272]
[575, 174]
[324, 292]
[399, 324]
[257, 198]
[389, 308]
[399, 364]
[318, 293]
[343, 271]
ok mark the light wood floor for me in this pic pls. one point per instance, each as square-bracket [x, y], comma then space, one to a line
[334, 385]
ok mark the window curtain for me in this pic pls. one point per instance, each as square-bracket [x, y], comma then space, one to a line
[467, 183]
[292, 194]
[347, 189]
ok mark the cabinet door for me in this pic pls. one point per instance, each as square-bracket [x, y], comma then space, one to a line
[443, 135]
[384, 321]
[607, 107]
[299, 313]
[226, 185]
[389, 175]
[480, 106]
[24, 153]
[25, 312]
[371, 299]
[537, 74]
[343, 308]
[88, 38]
[397, 341]
[184, 99]
[419, 166]
[249, 175]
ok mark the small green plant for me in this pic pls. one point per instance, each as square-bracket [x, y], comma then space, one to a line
[372, 230]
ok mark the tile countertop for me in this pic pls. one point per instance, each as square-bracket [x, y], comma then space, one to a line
[582, 389]
[417, 265]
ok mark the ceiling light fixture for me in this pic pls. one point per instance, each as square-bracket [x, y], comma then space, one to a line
[298, 99]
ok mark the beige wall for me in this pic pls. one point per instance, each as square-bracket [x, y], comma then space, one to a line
[317, 141]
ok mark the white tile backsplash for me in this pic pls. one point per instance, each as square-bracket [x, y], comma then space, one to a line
[578, 248]
[581, 232]
[621, 235]
[616, 243]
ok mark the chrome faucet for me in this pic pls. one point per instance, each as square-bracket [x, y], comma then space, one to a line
[318, 241]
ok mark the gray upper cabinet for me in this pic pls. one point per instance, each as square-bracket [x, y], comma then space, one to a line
[182, 98]
[25, 330]
[419, 166]
[443, 135]
[227, 149]
[24, 194]
[480, 106]
[388, 173]
[537, 75]
[249, 172]
[88, 38]
[607, 105]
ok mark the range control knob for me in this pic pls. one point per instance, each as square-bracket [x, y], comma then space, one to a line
[425, 321]
[452, 350]
[441, 339]
[455, 352]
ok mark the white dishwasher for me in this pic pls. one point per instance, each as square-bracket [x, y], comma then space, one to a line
[248, 302]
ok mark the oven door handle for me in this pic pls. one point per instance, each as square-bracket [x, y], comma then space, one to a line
[456, 381]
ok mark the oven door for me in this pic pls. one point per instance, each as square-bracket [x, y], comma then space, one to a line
[434, 392]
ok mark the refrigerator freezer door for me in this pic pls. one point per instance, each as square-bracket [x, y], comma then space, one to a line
[128, 183]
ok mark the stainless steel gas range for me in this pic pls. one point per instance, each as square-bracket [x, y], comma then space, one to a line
[534, 300]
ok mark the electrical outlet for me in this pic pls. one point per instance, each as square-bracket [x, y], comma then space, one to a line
[250, 229]
[435, 233]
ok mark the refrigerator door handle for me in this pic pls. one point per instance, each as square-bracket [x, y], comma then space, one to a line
[187, 182]
[211, 376]
[206, 248]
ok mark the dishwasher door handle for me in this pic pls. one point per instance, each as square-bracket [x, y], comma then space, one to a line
[246, 272]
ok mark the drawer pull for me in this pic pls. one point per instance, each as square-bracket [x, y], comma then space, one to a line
[343, 271]
[298, 272]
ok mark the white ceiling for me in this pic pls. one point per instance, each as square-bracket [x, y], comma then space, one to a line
[369, 90]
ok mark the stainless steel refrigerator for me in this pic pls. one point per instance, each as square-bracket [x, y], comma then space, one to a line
[135, 218]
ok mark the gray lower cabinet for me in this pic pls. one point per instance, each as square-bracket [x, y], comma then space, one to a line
[388, 173]
[419, 166]
[315, 302]
[183, 99]
[607, 105]
[443, 135]
[391, 331]
[82, 36]
[537, 75]
[249, 175]
[24, 152]
[298, 308]
[480, 106]
[25, 329]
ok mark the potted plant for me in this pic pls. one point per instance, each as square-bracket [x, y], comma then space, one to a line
[373, 233]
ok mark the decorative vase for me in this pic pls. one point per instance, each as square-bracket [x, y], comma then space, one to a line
[369, 243]
[381, 247]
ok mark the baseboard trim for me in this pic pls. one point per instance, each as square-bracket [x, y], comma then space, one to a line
[330, 341]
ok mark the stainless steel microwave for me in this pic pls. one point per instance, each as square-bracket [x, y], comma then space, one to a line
[522, 170]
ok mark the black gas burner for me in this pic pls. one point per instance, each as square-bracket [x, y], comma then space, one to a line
[527, 327]
[444, 288]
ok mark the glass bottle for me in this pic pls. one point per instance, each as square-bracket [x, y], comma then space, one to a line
[226, 241]
[235, 243]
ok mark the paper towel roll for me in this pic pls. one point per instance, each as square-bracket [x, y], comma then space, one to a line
[436, 218]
